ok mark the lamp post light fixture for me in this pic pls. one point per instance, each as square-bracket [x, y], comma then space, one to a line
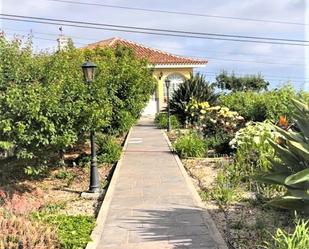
[89, 69]
[168, 84]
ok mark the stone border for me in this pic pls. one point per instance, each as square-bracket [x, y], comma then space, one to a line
[197, 199]
[102, 215]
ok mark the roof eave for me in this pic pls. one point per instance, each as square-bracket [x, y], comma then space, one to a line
[170, 65]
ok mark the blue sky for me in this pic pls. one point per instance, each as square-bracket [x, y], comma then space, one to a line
[260, 58]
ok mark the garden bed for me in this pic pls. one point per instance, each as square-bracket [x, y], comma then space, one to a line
[245, 222]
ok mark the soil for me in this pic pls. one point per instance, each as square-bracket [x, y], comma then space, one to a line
[58, 186]
[61, 187]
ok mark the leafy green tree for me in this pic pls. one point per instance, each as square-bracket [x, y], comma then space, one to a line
[243, 83]
[128, 83]
[197, 88]
[45, 105]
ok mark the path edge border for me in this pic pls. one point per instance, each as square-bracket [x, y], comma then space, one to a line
[214, 232]
[102, 215]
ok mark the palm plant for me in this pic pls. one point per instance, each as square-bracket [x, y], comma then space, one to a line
[196, 87]
[292, 168]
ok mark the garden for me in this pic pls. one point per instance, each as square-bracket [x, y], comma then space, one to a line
[47, 111]
[247, 150]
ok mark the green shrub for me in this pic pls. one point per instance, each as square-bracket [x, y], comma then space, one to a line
[196, 87]
[253, 149]
[218, 124]
[252, 157]
[45, 104]
[109, 150]
[190, 145]
[255, 106]
[299, 239]
[161, 121]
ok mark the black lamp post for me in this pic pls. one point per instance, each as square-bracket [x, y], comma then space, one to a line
[94, 187]
[167, 84]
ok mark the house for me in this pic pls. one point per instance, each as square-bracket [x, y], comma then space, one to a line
[166, 65]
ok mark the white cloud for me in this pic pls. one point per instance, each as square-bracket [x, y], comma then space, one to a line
[285, 10]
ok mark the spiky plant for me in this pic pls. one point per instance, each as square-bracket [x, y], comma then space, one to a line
[196, 87]
[292, 168]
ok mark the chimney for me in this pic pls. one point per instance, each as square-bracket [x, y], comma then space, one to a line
[62, 42]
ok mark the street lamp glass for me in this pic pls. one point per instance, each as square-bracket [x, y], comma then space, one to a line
[89, 71]
[167, 83]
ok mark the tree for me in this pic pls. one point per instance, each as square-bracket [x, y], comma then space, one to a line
[45, 104]
[196, 87]
[243, 83]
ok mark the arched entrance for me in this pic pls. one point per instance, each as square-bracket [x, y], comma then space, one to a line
[176, 79]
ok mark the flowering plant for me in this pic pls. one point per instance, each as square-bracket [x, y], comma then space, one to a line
[213, 122]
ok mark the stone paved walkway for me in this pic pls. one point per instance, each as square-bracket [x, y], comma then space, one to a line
[152, 206]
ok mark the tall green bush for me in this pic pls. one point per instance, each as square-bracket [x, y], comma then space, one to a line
[127, 82]
[255, 106]
[45, 105]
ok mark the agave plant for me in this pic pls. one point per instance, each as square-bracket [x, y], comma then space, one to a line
[292, 168]
[196, 87]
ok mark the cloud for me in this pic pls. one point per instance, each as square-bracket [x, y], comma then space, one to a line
[286, 10]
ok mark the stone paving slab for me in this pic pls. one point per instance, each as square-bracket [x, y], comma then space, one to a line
[151, 206]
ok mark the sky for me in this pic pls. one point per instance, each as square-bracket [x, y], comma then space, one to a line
[277, 63]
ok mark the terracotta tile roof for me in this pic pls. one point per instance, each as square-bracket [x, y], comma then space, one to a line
[154, 56]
